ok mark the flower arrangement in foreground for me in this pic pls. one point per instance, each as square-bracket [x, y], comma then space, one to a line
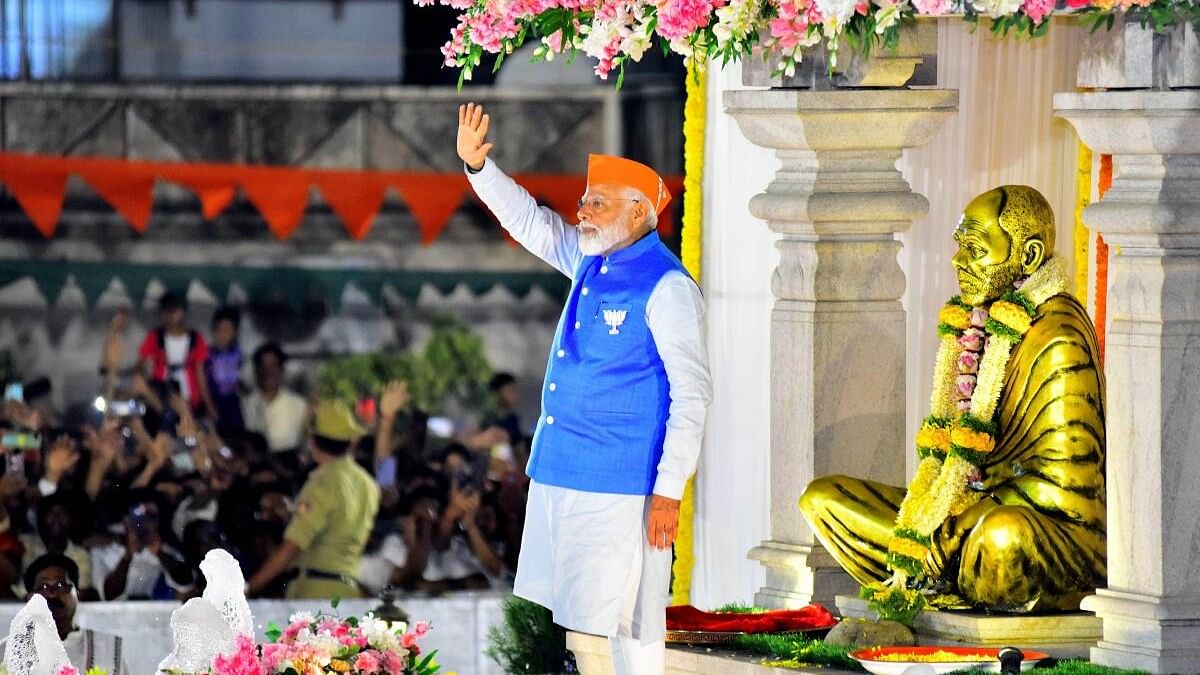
[616, 32]
[322, 644]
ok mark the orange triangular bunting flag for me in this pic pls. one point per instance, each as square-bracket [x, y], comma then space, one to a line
[39, 185]
[214, 186]
[354, 197]
[279, 195]
[562, 193]
[127, 188]
[432, 199]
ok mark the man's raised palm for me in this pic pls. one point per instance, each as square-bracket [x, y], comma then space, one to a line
[472, 132]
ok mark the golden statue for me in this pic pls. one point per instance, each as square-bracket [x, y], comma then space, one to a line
[1006, 510]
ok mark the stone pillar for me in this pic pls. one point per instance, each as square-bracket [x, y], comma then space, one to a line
[1151, 220]
[837, 329]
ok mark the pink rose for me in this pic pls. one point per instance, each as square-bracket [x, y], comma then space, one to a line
[979, 317]
[367, 662]
[971, 339]
[964, 386]
[68, 670]
[420, 628]
[1037, 10]
[933, 7]
[968, 362]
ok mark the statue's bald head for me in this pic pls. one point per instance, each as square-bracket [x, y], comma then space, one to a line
[1005, 233]
[1023, 213]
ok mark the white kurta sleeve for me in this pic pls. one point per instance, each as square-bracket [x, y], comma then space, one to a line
[537, 228]
[675, 315]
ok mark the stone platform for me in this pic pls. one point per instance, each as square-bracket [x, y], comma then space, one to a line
[1067, 635]
[591, 655]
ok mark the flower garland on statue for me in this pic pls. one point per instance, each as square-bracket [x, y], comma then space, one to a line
[954, 441]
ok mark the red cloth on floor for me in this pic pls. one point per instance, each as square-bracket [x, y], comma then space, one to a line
[686, 617]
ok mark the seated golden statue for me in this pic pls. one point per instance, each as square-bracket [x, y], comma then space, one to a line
[1006, 510]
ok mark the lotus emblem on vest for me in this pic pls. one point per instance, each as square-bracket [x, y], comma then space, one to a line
[614, 318]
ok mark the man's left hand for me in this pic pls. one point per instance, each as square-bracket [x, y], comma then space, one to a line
[662, 524]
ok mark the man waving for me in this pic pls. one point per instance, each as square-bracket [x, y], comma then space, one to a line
[623, 405]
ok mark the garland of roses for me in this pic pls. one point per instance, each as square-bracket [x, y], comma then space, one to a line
[954, 441]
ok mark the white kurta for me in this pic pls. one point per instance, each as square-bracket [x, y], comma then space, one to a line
[584, 555]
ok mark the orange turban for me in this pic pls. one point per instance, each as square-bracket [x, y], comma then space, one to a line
[610, 170]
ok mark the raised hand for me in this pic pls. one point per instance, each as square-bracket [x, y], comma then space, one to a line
[472, 133]
[395, 396]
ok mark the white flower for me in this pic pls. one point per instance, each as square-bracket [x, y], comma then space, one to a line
[733, 20]
[997, 7]
[887, 15]
[836, 12]
[637, 41]
[306, 617]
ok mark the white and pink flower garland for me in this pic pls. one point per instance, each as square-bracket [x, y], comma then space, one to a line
[615, 32]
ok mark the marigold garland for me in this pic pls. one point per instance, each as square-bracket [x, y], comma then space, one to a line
[695, 112]
[954, 441]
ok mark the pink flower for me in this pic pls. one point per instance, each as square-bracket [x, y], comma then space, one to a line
[420, 629]
[273, 655]
[979, 317]
[68, 670]
[964, 405]
[677, 19]
[1078, 4]
[368, 662]
[971, 339]
[968, 362]
[243, 661]
[964, 386]
[294, 629]
[393, 662]
[933, 7]
[1037, 10]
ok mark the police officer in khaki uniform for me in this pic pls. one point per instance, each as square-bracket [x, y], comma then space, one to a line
[335, 512]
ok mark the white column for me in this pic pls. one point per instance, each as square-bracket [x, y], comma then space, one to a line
[1151, 221]
[837, 329]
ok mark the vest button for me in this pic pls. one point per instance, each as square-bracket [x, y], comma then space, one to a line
[577, 325]
[553, 386]
[585, 290]
[604, 269]
[562, 353]
[549, 419]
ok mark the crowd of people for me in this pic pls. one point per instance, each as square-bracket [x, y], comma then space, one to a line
[183, 454]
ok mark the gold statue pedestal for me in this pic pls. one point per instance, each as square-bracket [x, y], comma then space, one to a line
[1063, 635]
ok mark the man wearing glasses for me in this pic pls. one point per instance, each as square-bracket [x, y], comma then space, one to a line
[623, 405]
[55, 577]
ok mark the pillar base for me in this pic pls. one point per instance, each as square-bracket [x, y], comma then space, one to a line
[798, 575]
[1146, 632]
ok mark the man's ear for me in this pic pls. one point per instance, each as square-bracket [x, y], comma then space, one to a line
[641, 212]
[1033, 254]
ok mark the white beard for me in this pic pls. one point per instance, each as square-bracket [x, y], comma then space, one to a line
[597, 241]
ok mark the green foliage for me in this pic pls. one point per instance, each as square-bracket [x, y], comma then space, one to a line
[738, 608]
[1071, 667]
[528, 641]
[797, 650]
[452, 369]
[901, 605]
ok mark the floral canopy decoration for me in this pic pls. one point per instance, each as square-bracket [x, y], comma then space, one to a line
[614, 33]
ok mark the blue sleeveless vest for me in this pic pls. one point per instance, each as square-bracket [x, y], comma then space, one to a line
[606, 398]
